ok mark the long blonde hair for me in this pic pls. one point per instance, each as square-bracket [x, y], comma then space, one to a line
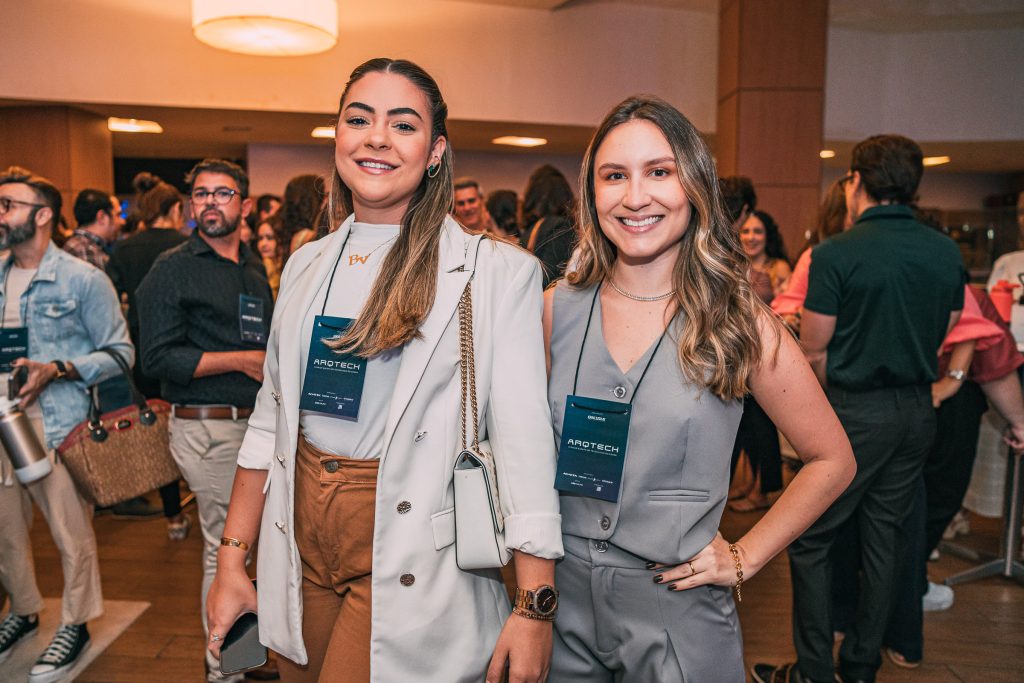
[719, 342]
[403, 293]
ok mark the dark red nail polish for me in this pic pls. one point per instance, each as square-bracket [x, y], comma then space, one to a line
[671, 586]
[659, 578]
[651, 565]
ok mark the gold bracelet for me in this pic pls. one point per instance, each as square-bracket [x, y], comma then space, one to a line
[532, 615]
[234, 542]
[739, 571]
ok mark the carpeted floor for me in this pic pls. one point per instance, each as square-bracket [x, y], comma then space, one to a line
[118, 615]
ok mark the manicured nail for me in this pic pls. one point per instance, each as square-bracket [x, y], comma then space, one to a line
[659, 578]
[652, 565]
[671, 586]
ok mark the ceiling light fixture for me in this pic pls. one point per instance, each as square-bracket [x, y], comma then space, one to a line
[323, 132]
[827, 153]
[119, 125]
[519, 141]
[266, 27]
[935, 161]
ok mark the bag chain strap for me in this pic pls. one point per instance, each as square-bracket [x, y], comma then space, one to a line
[467, 366]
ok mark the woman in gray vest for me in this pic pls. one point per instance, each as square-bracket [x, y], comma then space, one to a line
[653, 339]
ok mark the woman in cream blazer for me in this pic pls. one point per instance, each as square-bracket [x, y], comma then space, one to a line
[430, 620]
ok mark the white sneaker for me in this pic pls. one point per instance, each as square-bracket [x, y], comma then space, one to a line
[937, 598]
[960, 525]
[934, 557]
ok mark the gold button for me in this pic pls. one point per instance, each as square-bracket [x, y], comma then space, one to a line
[407, 579]
[404, 507]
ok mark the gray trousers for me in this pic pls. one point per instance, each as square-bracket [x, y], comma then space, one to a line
[615, 624]
[70, 521]
[206, 452]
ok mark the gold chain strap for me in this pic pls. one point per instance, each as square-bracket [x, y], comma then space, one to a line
[467, 366]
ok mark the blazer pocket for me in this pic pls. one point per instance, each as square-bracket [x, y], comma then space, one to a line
[443, 525]
[679, 496]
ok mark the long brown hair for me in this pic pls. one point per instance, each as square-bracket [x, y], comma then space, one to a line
[403, 293]
[719, 342]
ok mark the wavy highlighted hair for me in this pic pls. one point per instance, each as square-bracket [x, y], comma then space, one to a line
[403, 293]
[720, 341]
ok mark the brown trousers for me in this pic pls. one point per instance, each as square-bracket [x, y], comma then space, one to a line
[334, 510]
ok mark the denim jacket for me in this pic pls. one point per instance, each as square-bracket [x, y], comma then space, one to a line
[70, 309]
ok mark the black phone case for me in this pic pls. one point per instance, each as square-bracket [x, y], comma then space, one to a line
[242, 649]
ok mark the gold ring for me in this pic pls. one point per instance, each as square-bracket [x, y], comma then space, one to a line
[692, 570]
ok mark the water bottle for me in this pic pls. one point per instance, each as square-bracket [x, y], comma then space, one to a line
[22, 443]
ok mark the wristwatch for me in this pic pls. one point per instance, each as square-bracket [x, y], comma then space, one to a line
[958, 375]
[62, 370]
[540, 603]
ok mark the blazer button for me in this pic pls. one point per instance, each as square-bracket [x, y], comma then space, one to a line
[419, 436]
[619, 392]
[407, 580]
[280, 526]
[280, 458]
[606, 523]
[601, 546]
[404, 507]
[331, 466]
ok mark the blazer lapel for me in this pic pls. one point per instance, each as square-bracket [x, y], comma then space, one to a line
[451, 282]
[296, 307]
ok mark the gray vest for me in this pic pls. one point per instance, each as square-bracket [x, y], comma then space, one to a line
[676, 477]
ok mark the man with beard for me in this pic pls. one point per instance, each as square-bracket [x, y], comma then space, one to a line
[204, 315]
[57, 311]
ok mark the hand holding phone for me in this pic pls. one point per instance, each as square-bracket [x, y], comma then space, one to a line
[242, 649]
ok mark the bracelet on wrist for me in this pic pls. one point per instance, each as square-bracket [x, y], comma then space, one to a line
[734, 551]
[532, 615]
[233, 542]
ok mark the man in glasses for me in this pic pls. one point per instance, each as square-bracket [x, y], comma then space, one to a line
[98, 215]
[204, 315]
[56, 312]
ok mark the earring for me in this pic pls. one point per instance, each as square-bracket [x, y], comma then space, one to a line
[433, 170]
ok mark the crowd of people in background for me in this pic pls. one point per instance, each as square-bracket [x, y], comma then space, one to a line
[163, 279]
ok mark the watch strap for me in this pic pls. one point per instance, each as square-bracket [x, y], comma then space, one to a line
[62, 369]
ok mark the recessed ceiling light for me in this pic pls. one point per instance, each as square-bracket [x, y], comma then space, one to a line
[519, 141]
[827, 153]
[936, 161]
[119, 125]
[326, 132]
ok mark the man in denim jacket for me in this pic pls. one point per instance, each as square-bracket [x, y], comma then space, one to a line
[55, 312]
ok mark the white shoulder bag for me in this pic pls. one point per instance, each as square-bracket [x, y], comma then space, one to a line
[479, 523]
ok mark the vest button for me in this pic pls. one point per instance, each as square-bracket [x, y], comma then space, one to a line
[404, 507]
[619, 392]
[601, 546]
[606, 523]
[407, 580]
[331, 466]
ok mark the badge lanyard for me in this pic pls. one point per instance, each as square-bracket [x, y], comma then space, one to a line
[13, 340]
[595, 435]
[333, 382]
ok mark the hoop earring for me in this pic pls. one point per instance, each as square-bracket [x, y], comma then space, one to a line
[433, 170]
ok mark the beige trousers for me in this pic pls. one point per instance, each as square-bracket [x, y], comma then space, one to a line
[206, 452]
[70, 521]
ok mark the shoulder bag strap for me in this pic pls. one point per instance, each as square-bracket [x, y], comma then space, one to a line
[467, 364]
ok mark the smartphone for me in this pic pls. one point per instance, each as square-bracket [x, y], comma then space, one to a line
[16, 381]
[242, 649]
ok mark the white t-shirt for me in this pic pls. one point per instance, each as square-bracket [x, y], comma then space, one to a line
[18, 280]
[361, 438]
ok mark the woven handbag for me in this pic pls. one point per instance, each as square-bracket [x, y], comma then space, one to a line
[479, 522]
[119, 455]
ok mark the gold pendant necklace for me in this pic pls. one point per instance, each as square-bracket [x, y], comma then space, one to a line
[354, 259]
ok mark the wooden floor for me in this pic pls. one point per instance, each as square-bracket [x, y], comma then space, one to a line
[981, 639]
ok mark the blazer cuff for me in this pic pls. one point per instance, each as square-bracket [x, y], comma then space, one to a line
[257, 451]
[539, 535]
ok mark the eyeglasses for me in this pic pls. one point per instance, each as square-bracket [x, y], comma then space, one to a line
[221, 195]
[7, 202]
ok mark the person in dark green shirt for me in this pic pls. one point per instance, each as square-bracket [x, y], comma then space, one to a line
[881, 298]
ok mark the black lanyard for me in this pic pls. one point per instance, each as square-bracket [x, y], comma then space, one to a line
[586, 333]
[323, 309]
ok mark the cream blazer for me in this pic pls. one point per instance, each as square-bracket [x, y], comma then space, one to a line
[444, 625]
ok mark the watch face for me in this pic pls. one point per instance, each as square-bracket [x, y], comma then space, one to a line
[546, 600]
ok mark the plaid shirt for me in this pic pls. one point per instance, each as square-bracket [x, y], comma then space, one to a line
[88, 247]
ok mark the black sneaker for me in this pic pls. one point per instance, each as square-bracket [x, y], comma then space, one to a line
[13, 628]
[60, 656]
[137, 508]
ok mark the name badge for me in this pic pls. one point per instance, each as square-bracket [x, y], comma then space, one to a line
[334, 381]
[593, 450]
[250, 319]
[13, 345]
